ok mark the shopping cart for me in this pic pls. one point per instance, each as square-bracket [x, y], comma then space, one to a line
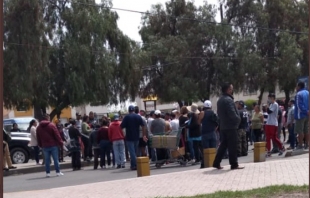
[168, 145]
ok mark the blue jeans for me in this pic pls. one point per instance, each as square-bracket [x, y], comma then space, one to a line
[119, 152]
[292, 136]
[105, 151]
[48, 152]
[191, 148]
[133, 148]
[209, 140]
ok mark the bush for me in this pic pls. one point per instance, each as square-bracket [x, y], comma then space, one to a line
[249, 103]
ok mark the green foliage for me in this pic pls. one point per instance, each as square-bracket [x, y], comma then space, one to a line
[249, 104]
[63, 53]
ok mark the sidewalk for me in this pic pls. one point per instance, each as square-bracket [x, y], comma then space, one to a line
[189, 183]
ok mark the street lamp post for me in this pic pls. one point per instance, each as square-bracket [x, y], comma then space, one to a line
[1, 93]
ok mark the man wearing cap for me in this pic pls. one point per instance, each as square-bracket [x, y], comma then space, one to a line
[158, 128]
[229, 123]
[132, 123]
[49, 140]
[242, 139]
[209, 123]
[116, 136]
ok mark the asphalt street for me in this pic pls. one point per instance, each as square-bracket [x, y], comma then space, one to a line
[38, 181]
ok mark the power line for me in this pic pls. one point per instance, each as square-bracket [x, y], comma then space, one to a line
[192, 19]
[150, 55]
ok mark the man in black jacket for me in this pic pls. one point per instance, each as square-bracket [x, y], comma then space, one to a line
[229, 123]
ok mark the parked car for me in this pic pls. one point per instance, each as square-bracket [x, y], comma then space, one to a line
[23, 123]
[20, 149]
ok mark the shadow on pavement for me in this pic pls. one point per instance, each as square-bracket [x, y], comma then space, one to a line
[216, 172]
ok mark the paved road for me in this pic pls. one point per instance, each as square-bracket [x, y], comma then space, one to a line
[37, 181]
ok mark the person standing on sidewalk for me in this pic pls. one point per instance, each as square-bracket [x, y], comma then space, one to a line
[301, 114]
[132, 123]
[75, 148]
[229, 122]
[257, 124]
[242, 139]
[272, 125]
[33, 139]
[209, 124]
[86, 130]
[116, 136]
[291, 124]
[49, 140]
[95, 146]
[105, 144]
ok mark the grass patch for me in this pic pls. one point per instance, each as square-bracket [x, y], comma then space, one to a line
[267, 192]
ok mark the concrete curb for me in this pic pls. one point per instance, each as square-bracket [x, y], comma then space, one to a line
[40, 168]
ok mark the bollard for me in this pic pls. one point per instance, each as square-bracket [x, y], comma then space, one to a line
[208, 157]
[259, 151]
[143, 166]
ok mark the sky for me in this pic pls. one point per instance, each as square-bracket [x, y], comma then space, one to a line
[129, 22]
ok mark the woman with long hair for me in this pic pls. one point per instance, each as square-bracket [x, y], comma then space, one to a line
[33, 142]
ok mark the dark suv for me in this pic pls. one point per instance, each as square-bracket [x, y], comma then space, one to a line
[19, 147]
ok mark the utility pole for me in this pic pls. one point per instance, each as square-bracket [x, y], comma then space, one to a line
[1, 93]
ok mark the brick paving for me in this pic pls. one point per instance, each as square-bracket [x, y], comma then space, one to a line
[188, 183]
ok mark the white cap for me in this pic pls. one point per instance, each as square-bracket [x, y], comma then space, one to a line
[175, 111]
[207, 104]
[157, 112]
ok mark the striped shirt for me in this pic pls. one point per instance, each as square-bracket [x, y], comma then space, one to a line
[265, 117]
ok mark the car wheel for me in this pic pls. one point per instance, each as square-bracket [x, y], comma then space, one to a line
[19, 156]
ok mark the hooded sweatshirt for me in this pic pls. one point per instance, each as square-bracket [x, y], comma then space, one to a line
[48, 135]
[115, 131]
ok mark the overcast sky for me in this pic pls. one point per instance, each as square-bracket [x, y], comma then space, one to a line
[129, 22]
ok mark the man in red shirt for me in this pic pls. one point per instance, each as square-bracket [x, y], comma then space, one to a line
[49, 140]
[116, 136]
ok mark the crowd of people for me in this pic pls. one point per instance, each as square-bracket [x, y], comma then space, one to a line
[117, 139]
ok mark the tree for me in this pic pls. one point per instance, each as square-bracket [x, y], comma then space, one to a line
[25, 54]
[189, 57]
[92, 59]
[265, 52]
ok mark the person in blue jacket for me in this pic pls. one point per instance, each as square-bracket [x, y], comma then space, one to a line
[301, 115]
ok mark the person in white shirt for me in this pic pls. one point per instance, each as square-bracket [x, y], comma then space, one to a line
[175, 120]
[33, 139]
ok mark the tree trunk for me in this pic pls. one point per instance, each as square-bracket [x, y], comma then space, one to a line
[180, 103]
[287, 98]
[57, 111]
[39, 111]
[260, 97]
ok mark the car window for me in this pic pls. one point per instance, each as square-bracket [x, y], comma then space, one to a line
[22, 126]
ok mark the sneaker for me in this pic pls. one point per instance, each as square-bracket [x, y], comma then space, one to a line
[48, 175]
[191, 162]
[281, 151]
[118, 166]
[268, 154]
[123, 166]
[103, 167]
[299, 148]
[38, 164]
[59, 174]
[289, 148]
